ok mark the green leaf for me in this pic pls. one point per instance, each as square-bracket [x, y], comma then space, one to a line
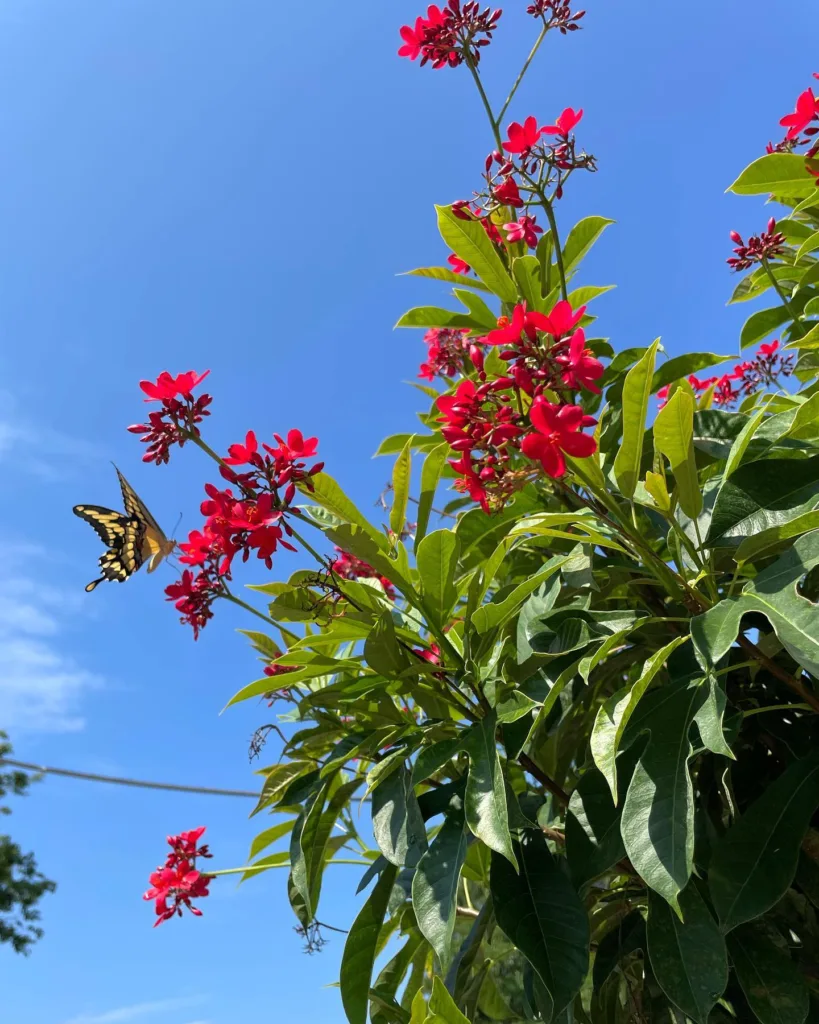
[398, 827]
[435, 886]
[628, 936]
[315, 837]
[614, 714]
[593, 842]
[762, 323]
[543, 916]
[526, 272]
[674, 437]
[268, 837]
[688, 956]
[400, 490]
[496, 613]
[783, 173]
[658, 813]
[467, 239]
[683, 366]
[636, 393]
[419, 442]
[774, 593]
[442, 1008]
[809, 245]
[761, 495]
[580, 239]
[478, 309]
[535, 607]
[485, 800]
[445, 274]
[430, 475]
[740, 445]
[361, 947]
[432, 316]
[327, 493]
[754, 863]
[768, 540]
[437, 562]
[382, 651]
[773, 986]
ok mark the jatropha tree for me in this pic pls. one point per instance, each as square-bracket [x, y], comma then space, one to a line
[584, 709]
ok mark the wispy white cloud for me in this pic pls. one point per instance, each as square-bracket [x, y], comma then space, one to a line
[139, 1010]
[28, 441]
[40, 686]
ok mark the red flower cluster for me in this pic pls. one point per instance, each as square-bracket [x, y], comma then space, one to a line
[528, 154]
[193, 596]
[237, 523]
[488, 427]
[177, 420]
[448, 37]
[557, 14]
[750, 376]
[178, 881]
[765, 246]
[447, 352]
[349, 567]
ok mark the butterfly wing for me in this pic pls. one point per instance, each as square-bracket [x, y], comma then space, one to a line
[156, 544]
[122, 535]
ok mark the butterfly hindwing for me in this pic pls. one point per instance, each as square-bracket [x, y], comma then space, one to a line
[122, 535]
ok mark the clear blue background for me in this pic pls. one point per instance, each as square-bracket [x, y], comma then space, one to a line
[234, 186]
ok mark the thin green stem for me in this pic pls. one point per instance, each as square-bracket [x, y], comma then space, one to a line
[776, 707]
[783, 298]
[206, 448]
[523, 71]
[550, 214]
[484, 99]
[228, 596]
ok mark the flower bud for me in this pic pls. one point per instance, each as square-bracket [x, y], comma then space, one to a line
[736, 237]
[771, 225]
[476, 357]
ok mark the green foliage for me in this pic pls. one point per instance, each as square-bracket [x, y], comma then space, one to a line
[588, 722]
[21, 884]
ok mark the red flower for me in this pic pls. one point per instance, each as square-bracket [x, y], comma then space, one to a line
[413, 39]
[167, 387]
[267, 540]
[508, 193]
[295, 448]
[458, 265]
[562, 319]
[523, 230]
[767, 350]
[508, 333]
[522, 136]
[470, 483]
[249, 515]
[197, 549]
[558, 431]
[807, 107]
[564, 124]
[240, 454]
[581, 368]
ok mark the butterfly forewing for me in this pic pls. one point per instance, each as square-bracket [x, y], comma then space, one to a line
[136, 508]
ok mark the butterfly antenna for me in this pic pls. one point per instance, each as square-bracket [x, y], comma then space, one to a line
[178, 521]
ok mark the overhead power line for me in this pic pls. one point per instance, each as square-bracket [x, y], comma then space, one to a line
[141, 783]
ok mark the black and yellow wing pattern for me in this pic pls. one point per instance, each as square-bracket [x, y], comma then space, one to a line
[130, 538]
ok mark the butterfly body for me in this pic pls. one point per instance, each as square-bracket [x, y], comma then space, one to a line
[131, 538]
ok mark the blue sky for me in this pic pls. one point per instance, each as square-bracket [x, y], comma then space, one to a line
[234, 187]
